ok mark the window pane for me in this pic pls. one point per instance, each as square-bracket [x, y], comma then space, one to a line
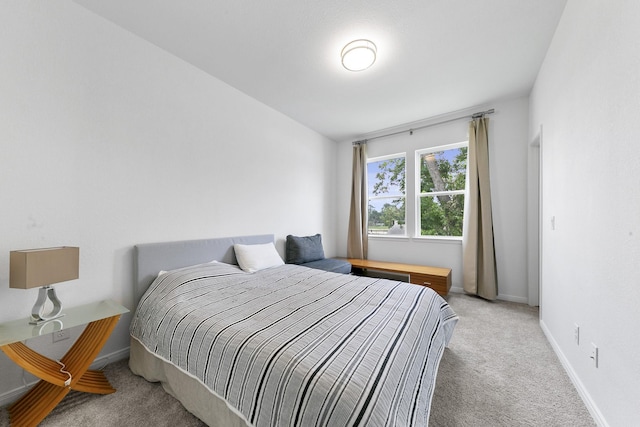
[441, 215]
[386, 182]
[386, 177]
[443, 170]
[386, 216]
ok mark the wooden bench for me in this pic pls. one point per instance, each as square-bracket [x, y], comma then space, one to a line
[437, 278]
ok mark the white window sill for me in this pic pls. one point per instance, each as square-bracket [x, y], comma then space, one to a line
[421, 239]
[388, 237]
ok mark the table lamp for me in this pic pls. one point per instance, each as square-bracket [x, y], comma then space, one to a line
[32, 268]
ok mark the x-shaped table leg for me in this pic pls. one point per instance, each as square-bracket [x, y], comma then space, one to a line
[57, 379]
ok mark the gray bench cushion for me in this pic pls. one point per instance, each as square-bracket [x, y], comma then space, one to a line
[330, 264]
[308, 251]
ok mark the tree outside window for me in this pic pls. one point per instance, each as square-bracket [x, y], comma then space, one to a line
[386, 181]
[442, 183]
[439, 190]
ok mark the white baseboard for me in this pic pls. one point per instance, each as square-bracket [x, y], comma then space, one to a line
[112, 357]
[573, 376]
[100, 362]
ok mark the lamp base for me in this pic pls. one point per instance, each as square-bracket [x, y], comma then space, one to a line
[37, 312]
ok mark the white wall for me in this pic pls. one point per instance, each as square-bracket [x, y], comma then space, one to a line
[107, 141]
[587, 98]
[508, 145]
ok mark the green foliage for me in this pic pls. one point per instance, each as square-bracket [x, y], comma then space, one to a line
[390, 173]
[386, 217]
[440, 214]
[441, 219]
[390, 179]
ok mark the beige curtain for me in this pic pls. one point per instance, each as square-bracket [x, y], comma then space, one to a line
[357, 239]
[479, 275]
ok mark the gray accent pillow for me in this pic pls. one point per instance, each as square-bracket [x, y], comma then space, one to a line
[301, 249]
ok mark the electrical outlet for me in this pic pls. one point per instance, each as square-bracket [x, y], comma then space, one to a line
[594, 355]
[576, 333]
[60, 335]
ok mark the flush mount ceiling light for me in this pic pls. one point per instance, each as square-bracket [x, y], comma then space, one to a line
[359, 55]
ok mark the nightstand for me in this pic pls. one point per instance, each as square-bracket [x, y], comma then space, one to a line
[72, 372]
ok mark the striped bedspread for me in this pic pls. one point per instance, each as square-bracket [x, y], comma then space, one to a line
[294, 346]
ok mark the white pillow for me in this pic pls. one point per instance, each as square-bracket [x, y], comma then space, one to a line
[252, 258]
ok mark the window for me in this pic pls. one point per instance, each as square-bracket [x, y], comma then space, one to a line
[442, 180]
[431, 204]
[386, 195]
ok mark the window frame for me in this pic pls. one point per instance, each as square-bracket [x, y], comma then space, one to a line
[404, 196]
[418, 187]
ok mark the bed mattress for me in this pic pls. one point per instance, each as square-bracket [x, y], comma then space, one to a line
[292, 345]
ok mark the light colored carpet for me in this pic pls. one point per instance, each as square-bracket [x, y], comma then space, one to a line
[137, 402]
[499, 370]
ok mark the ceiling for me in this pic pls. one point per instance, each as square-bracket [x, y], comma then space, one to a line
[434, 56]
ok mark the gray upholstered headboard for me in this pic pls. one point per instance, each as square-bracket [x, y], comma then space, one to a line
[150, 258]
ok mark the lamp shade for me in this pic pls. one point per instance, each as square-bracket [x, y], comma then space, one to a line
[32, 268]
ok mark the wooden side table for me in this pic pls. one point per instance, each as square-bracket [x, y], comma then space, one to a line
[72, 372]
[437, 278]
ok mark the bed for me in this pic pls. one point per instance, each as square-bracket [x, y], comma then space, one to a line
[286, 345]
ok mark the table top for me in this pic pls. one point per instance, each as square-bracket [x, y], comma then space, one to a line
[398, 267]
[20, 330]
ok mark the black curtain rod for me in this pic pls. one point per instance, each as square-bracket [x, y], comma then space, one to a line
[411, 130]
